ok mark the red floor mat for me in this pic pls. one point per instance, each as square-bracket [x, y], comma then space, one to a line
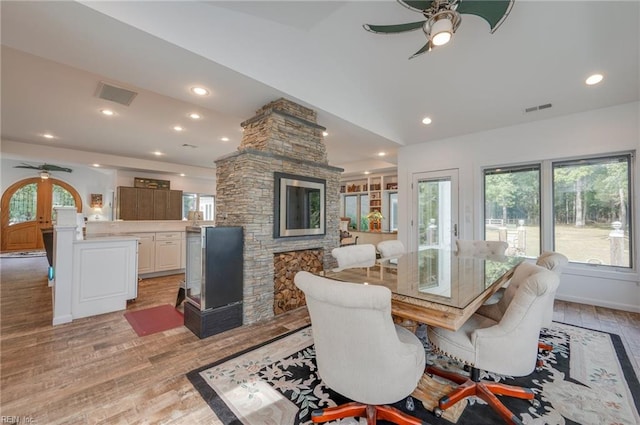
[154, 319]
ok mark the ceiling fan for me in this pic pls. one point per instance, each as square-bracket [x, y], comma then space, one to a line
[443, 18]
[44, 169]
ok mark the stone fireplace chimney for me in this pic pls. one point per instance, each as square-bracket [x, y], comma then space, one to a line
[282, 137]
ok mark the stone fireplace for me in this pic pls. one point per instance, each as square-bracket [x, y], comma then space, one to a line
[282, 137]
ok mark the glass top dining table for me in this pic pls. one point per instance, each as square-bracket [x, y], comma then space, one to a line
[435, 286]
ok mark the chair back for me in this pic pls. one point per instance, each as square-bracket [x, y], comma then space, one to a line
[352, 256]
[390, 249]
[480, 248]
[356, 343]
[555, 262]
[510, 346]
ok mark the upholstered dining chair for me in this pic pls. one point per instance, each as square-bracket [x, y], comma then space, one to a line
[351, 256]
[506, 347]
[390, 248]
[360, 353]
[555, 262]
[480, 247]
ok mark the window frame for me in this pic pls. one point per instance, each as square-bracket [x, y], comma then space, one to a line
[547, 199]
[197, 197]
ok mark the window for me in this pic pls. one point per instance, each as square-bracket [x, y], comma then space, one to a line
[23, 204]
[591, 210]
[198, 202]
[588, 218]
[512, 208]
[393, 211]
[356, 207]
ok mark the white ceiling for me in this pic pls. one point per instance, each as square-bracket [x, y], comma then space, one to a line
[367, 92]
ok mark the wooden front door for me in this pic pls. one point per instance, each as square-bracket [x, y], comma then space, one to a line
[27, 207]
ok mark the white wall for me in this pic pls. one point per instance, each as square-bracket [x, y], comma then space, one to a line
[609, 130]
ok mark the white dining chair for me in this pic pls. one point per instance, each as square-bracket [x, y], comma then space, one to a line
[353, 256]
[390, 249]
[480, 247]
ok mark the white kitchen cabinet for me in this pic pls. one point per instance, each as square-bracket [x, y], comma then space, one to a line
[104, 275]
[168, 251]
[183, 250]
[146, 252]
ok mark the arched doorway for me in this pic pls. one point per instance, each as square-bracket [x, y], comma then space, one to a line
[27, 207]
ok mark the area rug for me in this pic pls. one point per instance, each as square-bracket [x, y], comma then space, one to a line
[586, 379]
[155, 319]
[22, 254]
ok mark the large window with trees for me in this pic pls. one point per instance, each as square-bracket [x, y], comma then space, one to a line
[591, 210]
[586, 217]
[512, 208]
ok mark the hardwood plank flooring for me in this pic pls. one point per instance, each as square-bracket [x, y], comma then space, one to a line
[98, 371]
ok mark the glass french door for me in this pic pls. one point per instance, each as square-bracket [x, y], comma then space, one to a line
[435, 215]
[27, 208]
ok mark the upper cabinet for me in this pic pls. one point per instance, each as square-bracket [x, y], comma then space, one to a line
[135, 203]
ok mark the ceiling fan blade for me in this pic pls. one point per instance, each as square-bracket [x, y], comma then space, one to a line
[493, 11]
[31, 167]
[51, 167]
[416, 5]
[392, 29]
[424, 49]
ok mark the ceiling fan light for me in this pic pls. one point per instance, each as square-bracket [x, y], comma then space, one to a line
[44, 175]
[441, 31]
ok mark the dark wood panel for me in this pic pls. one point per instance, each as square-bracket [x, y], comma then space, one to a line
[127, 203]
[146, 205]
[136, 203]
[174, 210]
[160, 204]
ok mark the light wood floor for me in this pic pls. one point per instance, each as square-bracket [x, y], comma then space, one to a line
[98, 371]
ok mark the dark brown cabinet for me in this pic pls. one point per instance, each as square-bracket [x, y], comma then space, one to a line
[136, 203]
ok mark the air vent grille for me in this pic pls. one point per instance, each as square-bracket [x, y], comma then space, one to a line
[115, 94]
[538, 108]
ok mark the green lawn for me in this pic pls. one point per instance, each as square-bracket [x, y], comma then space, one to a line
[584, 244]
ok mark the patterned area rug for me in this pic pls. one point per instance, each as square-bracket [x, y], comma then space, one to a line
[22, 254]
[586, 379]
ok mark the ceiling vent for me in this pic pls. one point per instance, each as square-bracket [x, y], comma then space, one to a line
[115, 94]
[538, 108]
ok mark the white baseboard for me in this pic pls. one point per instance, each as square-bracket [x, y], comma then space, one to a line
[597, 302]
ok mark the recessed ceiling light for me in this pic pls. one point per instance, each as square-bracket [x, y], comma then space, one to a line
[182, 174]
[594, 79]
[224, 139]
[382, 153]
[325, 134]
[158, 153]
[96, 165]
[200, 91]
[195, 116]
[107, 112]
[47, 136]
[426, 121]
[177, 128]
[367, 172]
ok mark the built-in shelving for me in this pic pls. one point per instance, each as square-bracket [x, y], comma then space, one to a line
[377, 188]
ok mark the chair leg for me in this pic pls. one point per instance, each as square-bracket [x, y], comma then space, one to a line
[343, 411]
[473, 386]
[371, 412]
[391, 414]
[542, 347]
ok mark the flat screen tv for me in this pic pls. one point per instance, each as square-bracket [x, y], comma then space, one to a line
[299, 206]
